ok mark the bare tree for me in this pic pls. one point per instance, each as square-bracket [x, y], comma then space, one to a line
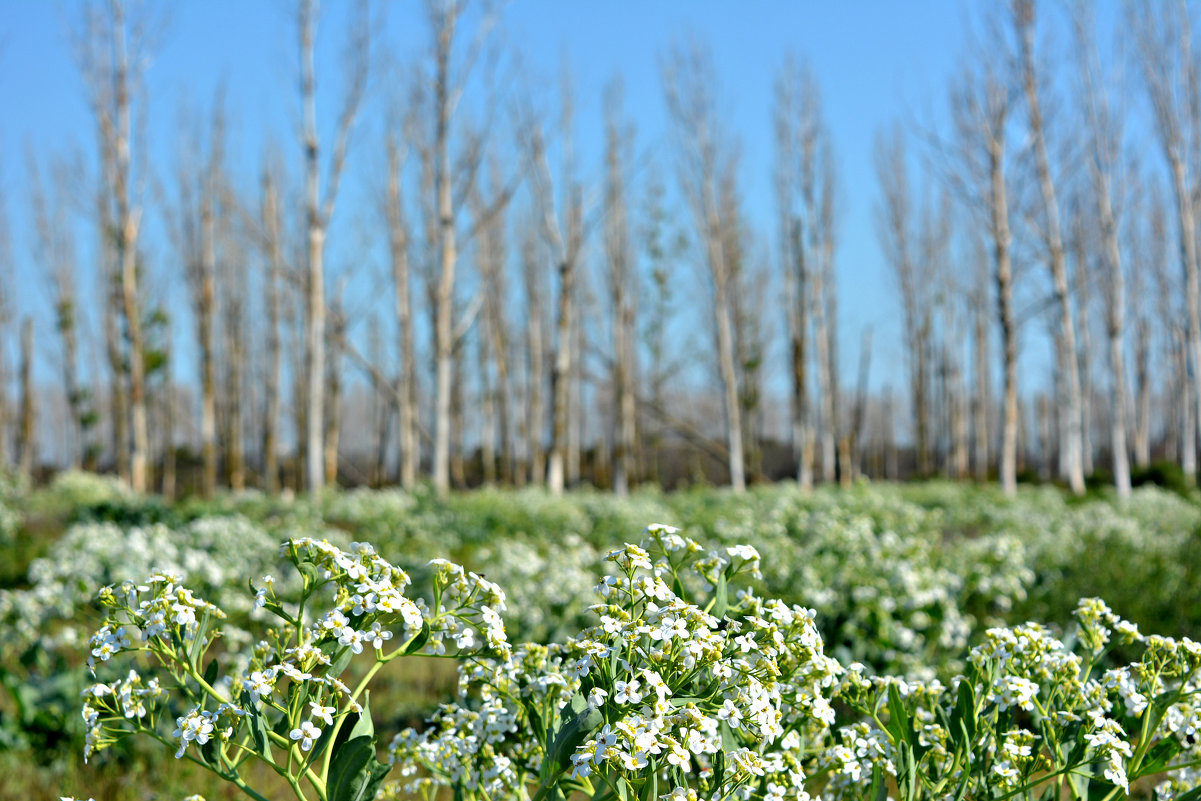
[445, 17]
[533, 284]
[980, 105]
[1080, 246]
[7, 293]
[794, 133]
[1104, 136]
[1162, 34]
[320, 208]
[1024, 24]
[333, 385]
[26, 422]
[194, 230]
[398, 256]
[55, 253]
[982, 361]
[272, 226]
[234, 288]
[895, 226]
[622, 292]
[1148, 248]
[492, 254]
[806, 190]
[111, 52]
[563, 232]
[690, 83]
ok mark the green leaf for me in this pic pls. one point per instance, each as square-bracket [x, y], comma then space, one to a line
[258, 729]
[963, 718]
[354, 771]
[879, 791]
[210, 672]
[1158, 757]
[572, 732]
[339, 656]
[197, 646]
[419, 639]
[906, 772]
[728, 741]
[650, 789]
[307, 569]
[1192, 795]
[721, 597]
[898, 718]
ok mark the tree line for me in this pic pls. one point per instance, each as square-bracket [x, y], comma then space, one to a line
[1058, 189]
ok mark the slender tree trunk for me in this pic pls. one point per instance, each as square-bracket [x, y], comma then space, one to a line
[458, 472]
[798, 320]
[536, 356]
[444, 323]
[825, 375]
[1004, 278]
[1115, 328]
[25, 441]
[1085, 357]
[982, 365]
[573, 464]
[1024, 20]
[398, 252]
[235, 462]
[168, 420]
[617, 253]
[561, 370]
[127, 228]
[333, 416]
[487, 412]
[315, 254]
[1142, 413]
[75, 393]
[118, 397]
[272, 225]
[205, 309]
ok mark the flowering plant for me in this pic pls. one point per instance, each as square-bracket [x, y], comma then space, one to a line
[284, 703]
[688, 686]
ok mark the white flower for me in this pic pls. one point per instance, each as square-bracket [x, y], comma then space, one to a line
[627, 692]
[306, 734]
[352, 638]
[196, 725]
[377, 636]
[322, 712]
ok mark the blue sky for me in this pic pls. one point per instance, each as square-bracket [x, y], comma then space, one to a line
[877, 62]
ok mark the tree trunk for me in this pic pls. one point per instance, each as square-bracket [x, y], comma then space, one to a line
[333, 415]
[798, 323]
[1024, 20]
[25, 442]
[560, 380]
[273, 227]
[982, 365]
[398, 253]
[1004, 277]
[118, 397]
[536, 358]
[617, 255]
[168, 420]
[1142, 412]
[825, 375]
[1115, 328]
[1085, 357]
[444, 323]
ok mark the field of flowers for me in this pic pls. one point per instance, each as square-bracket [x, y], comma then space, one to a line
[924, 641]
